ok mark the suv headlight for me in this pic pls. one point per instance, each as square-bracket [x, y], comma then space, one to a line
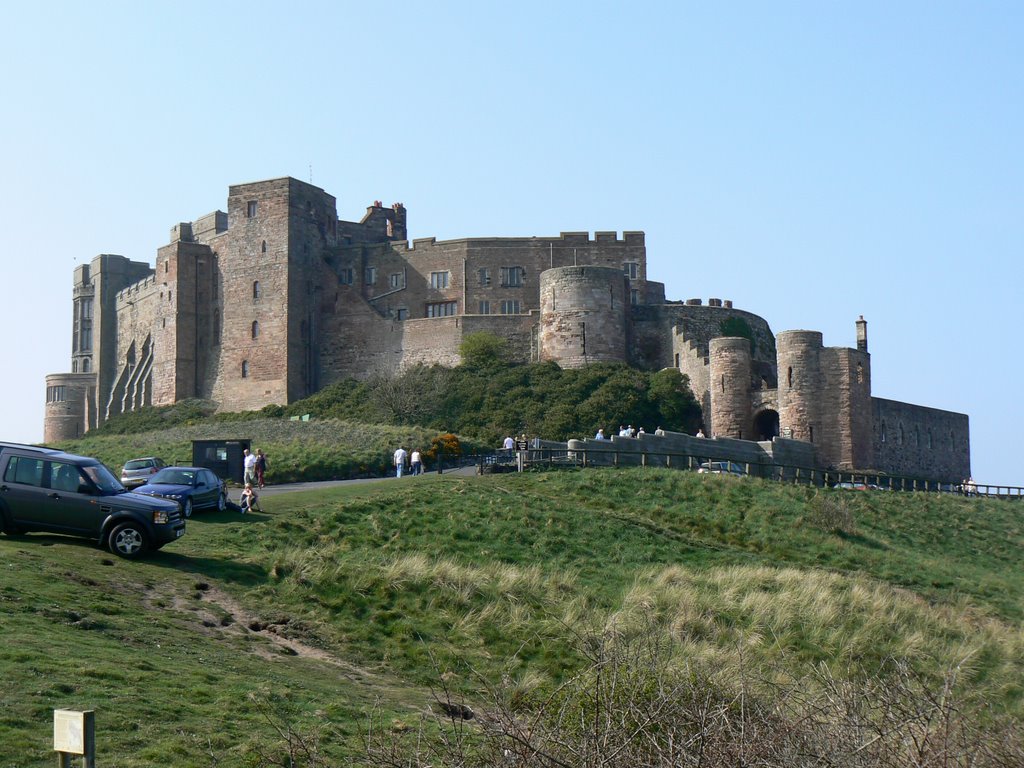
[160, 517]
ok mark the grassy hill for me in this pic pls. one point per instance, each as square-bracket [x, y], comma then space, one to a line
[334, 604]
[322, 449]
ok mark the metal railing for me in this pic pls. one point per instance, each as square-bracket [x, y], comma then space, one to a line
[551, 458]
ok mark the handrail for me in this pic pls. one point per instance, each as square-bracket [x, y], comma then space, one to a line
[801, 475]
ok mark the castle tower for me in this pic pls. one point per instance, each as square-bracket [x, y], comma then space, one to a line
[729, 363]
[69, 403]
[800, 383]
[584, 315]
[847, 443]
[270, 264]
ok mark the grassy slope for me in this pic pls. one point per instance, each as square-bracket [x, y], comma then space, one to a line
[322, 449]
[388, 579]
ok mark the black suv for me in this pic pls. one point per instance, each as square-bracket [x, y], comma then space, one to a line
[43, 489]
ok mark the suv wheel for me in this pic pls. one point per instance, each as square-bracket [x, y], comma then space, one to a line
[6, 526]
[187, 508]
[128, 540]
[222, 502]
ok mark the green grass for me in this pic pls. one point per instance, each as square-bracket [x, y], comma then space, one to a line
[323, 449]
[384, 584]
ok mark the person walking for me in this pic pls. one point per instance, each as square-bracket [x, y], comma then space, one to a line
[261, 467]
[248, 467]
[400, 456]
[415, 463]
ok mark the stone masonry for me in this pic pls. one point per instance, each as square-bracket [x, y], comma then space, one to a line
[275, 298]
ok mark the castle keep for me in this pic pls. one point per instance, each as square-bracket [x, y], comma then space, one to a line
[277, 298]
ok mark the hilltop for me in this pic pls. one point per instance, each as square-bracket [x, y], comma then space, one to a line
[337, 604]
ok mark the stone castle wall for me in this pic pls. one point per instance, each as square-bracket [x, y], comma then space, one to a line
[584, 315]
[915, 440]
[276, 298]
[729, 374]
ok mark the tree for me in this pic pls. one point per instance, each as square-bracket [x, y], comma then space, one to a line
[483, 350]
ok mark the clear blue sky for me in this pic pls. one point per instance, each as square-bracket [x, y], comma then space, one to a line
[811, 161]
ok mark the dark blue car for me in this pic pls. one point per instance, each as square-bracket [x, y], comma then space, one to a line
[191, 487]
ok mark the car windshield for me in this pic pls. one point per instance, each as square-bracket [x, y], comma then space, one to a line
[103, 478]
[139, 464]
[173, 476]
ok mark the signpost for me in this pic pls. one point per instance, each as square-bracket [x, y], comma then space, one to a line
[74, 733]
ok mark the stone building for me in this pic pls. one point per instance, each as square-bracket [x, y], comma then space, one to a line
[276, 298]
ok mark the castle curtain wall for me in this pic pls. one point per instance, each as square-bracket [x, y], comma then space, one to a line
[277, 297]
[920, 442]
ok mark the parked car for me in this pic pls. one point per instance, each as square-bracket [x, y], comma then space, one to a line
[192, 487]
[721, 468]
[43, 489]
[138, 471]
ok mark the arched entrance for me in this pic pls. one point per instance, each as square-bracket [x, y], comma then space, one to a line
[766, 424]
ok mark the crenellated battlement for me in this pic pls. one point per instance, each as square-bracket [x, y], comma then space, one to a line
[134, 291]
[278, 297]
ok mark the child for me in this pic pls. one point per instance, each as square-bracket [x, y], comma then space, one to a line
[250, 500]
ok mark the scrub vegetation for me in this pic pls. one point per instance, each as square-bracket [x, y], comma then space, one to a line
[481, 400]
[361, 625]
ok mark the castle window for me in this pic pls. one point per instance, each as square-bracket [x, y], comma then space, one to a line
[485, 307]
[510, 307]
[56, 394]
[74, 366]
[723, 383]
[170, 296]
[634, 296]
[87, 365]
[441, 309]
[257, 292]
[87, 309]
[631, 269]
[811, 428]
[512, 277]
[255, 329]
[677, 359]
[789, 377]
[370, 275]
[245, 369]
[163, 322]
[402, 313]
[85, 338]
[439, 280]
[166, 263]
[345, 276]
[263, 248]
[395, 280]
[485, 278]
[882, 432]
[250, 209]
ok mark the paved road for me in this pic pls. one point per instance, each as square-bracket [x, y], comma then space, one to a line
[273, 490]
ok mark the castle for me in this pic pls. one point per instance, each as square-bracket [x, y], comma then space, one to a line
[277, 298]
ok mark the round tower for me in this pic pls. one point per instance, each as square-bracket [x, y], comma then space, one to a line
[729, 372]
[584, 315]
[66, 414]
[800, 383]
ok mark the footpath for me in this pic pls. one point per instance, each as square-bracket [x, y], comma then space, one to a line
[273, 490]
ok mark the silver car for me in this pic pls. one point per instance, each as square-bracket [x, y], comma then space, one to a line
[138, 471]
